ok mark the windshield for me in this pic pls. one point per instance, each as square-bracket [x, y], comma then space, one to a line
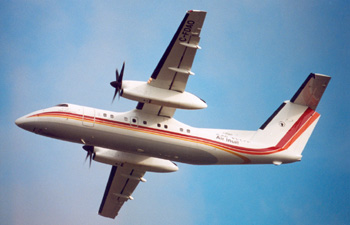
[62, 105]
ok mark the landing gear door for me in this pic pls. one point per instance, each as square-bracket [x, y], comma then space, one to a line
[88, 117]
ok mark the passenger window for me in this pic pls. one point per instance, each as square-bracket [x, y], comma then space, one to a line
[134, 120]
[166, 126]
[112, 116]
[188, 131]
[181, 129]
[126, 119]
[158, 125]
[144, 122]
[105, 114]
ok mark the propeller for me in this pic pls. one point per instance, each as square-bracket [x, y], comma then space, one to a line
[90, 151]
[117, 84]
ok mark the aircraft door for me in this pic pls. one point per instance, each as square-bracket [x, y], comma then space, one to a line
[88, 117]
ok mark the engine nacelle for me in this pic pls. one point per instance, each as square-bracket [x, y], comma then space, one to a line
[114, 157]
[143, 92]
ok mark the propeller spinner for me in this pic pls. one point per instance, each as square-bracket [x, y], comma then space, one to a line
[117, 84]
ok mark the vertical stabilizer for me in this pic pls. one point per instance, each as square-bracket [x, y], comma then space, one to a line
[291, 125]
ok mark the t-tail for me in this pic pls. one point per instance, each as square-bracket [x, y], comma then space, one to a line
[289, 128]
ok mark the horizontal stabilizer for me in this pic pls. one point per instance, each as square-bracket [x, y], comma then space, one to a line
[311, 91]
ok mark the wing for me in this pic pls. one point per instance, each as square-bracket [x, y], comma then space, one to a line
[121, 184]
[174, 67]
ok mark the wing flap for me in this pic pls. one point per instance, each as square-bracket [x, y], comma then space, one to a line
[121, 184]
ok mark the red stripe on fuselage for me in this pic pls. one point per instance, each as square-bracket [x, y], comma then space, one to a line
[308, 117]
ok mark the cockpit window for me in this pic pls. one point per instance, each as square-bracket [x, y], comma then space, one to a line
[62, 105]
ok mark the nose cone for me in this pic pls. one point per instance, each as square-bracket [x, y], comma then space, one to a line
[26, 123]
[20, 121]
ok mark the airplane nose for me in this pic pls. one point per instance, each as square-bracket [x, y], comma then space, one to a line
[25, 123]
[20, 121]
[29, 122]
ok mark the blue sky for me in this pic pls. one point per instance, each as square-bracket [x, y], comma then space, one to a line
[255, 54]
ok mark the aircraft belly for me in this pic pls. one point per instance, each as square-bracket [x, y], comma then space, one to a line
[226, 158]
[152, 145]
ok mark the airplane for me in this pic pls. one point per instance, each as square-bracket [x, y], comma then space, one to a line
[149, 139]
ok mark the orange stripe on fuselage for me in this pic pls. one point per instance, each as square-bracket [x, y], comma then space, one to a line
[308, 117]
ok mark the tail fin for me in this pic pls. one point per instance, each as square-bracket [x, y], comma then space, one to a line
[291, 125]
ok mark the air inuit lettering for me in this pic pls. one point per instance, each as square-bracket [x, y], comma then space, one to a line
[186, 31]
[227, 139]
[231, 140]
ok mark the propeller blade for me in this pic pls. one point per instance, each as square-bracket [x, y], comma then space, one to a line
[121, 75]
[115, 94]
[90, 151]
[87, 155]
[116, 75]
[117, 84]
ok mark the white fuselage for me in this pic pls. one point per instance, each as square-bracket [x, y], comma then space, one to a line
[144, 134]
